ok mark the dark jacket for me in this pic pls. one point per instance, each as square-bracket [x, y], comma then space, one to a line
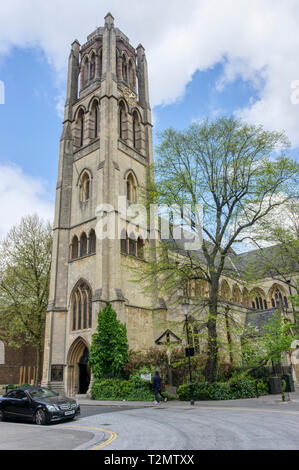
[157, 382]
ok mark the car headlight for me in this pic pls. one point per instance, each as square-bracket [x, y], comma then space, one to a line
[52, 408]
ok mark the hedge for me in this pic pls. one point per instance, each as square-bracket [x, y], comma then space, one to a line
[240, 387]
[134, 389]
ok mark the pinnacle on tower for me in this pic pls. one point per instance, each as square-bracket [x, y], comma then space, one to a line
[109, 20]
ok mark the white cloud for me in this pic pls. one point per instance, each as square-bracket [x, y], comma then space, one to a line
[256, 40]
[20, 195]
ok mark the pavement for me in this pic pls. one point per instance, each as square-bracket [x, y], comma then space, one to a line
[292, 401]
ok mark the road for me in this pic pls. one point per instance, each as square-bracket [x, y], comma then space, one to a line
[230, 426]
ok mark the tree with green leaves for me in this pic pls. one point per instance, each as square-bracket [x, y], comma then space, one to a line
[109, 351]
[276, 238]
[25, 260]
[267, 345]
[235, 172]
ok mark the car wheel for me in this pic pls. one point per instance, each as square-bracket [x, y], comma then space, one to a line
[40, 417]
[1, 416]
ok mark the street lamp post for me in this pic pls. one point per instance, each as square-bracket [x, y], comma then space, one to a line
[186, 313]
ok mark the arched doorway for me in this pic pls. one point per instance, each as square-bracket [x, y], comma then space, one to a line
[84, 373]
[78, 369]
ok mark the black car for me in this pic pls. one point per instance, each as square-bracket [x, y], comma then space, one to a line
[37, 404]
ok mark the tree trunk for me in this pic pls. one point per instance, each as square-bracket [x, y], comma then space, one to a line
[39, 364]
[212, 352]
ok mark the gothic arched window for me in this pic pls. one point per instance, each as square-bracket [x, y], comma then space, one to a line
[92, 242]
[131, 74]
[237, 296]
[80, 126]
[95, 119]
[136, 131]
[131, 188]
[122, 121]
[85, 71]
[225, 291]
[83, 244]
[74, 248]
[124, 242]
[132, 245]
[140, 248]
[81, 307]
[92, 67]
[124, 68]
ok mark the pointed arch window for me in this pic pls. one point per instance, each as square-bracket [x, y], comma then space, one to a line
[131, 74]
[136, 131]
[81, 307]
[124, 242]
[122, 119]
[140, 248]
[83, 244]
[124, 68]
[225, 291]
[92, 242]
[132, 245]
[86, 71]
[80, 127]
[92, 67]
[74, 248]
[131, 188]
[95, 119]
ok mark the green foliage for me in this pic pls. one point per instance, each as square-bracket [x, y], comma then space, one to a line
[134, 389]
[237, 387]
[263, 387]
[25, 261]
[12, 386]
[109, 348]
[151, 360]
[227, 167]
[277, 337]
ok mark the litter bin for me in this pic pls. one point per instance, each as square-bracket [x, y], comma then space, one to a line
[275, 385]
[289, 383]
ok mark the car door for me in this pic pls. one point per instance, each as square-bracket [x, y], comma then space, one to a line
[23, 405]
[8, 403]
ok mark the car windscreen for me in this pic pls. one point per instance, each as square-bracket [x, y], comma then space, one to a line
[42, 393]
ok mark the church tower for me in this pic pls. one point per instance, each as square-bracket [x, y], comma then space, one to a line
[105, 149]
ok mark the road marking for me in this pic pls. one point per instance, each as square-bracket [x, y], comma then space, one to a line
[247, 409]
[112, 434]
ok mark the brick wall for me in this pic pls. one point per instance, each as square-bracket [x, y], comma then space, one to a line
[15, 358]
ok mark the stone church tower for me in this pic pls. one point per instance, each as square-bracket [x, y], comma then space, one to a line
[105, 149]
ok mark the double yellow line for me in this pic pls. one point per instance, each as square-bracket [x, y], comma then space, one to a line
[112, 434]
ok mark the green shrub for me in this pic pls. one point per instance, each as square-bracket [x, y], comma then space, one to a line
[134, 389]
[237, 387]
[109, 348]
[220, 391]
[201, 391]
[263, 387]
[242, 387]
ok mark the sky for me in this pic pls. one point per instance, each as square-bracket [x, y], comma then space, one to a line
[205, 58]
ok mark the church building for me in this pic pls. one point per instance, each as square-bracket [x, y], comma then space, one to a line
[105, 149]
[105, 152]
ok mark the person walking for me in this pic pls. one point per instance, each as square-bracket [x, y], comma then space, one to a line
[157, 384]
